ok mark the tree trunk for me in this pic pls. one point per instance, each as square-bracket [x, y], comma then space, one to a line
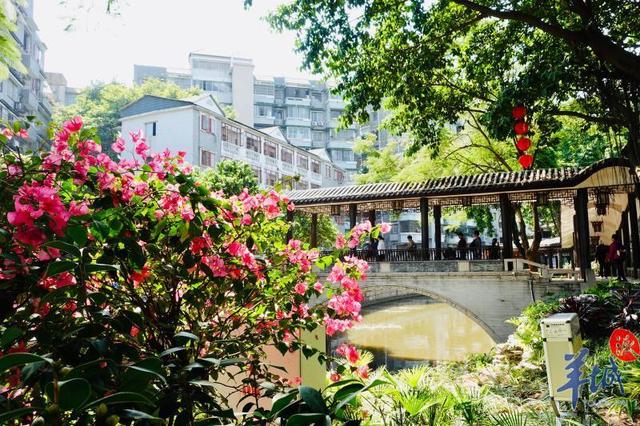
[522, 231]
[532, 252]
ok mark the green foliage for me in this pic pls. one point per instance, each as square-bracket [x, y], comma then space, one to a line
[433, 63]
[528, 326]
[327, 230]
[100, 104]
[10, 55]
[231, 177]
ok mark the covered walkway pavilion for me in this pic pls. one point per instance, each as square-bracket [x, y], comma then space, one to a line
[596, 202]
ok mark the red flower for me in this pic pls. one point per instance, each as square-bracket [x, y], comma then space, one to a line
[74, 125]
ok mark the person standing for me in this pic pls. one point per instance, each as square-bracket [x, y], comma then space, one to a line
[476, 246]
[601, 258]
[495, 249]
[381, 248]
[616, 258]
[462, 246]
[411, 247]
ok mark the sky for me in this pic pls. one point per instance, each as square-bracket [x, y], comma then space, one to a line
[100, 47]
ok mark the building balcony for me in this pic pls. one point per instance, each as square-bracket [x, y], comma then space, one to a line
[298, 101]
[253, 155]
[263, 99]
[293, 121]
[29, 99]
[267, 121]
[318, 124]
[286, 167]
[45, 105]
[278, 122]
[234, 151]
[335, 103]
[271, 162]
[318, 104]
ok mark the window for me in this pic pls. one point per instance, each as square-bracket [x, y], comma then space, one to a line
[342, 155]
[317, 117]
[151, 129]
[286, 155]
[264, 111]
[278, 114]
[409, 226]
[335, 114]
[205, 123]
[316, 96]
[303, 161]
[302, 184]
[315, 166]
[317, 136]
[339, 176]
[253, 143]
[257, 172]
[231, 134]
[206, 158]
[272, 178]
[315, 186]
[270, 150]
[327, 170]
[345, 134]
[294, 132]
[263, 89]
[296, 92]
[298, 112]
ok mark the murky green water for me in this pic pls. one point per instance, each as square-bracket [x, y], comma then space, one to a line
[416, 330]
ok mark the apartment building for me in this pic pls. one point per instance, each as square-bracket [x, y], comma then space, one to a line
[61, 93]
[306, 110]
[199, 127]
[22, 94]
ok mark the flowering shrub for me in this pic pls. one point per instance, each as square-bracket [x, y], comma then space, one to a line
[130, 291]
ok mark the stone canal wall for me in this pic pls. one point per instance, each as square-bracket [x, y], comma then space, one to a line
[490, 298]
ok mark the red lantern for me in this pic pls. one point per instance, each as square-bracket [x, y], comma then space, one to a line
[525, 161]
[523, 144]
[521, 128]
[624, 345]
[519, 112]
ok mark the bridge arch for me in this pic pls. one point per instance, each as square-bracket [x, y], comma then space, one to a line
[409, 290]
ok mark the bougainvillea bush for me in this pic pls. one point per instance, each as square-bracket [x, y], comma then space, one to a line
[131, 293]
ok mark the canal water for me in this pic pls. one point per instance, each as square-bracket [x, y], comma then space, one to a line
[416, 330]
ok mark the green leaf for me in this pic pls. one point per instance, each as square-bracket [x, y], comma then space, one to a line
[172, 351]
[121, 398]
[65, 247]
[16, 414]
[140, 415]
[282, 402]
[95, 267]
[9, 336]
[313, 399]
[19, 358]
[78, 234]
[138, 375]
[73, 393]
[60, 266]
[62, 292]
[347, 391]
[308, 419]
[185, 335]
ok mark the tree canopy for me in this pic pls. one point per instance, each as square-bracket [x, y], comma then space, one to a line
[100, 103]
[231, 177]
[433, 62]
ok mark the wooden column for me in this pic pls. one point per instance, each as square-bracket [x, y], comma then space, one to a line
[314, 230]
[372, 217]
[290, 220]
[424, 226]
[437, 232]
[507, 217]
[582, 231]
[353, 215]
[635, 237]
[624, 226]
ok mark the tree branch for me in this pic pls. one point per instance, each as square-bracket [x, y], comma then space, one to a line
[587, 117]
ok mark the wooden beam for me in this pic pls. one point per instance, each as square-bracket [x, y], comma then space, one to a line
[582, 230]
[635, 237]
[507, 218]
[353, 215]
[424, 226]
[437, 237]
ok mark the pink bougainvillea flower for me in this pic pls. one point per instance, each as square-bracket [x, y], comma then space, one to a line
[7, 132]
[118, 146]
[340, 242]
[300, 288]
[363, 371]
[352, 354]
[318, 287]
[134, 331]
[74, 125]
[385, 228]
[23, 134]
[14, 169]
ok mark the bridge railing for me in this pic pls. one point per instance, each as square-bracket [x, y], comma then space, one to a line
[552, 258]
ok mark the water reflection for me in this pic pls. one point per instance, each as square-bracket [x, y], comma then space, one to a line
[415, 330]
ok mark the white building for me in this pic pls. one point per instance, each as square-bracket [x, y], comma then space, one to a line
[61, 93]
[199, 127]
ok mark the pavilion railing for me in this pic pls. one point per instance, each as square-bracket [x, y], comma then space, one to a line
[555, 258]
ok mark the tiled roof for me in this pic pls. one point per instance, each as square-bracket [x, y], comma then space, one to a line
[525, 180]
